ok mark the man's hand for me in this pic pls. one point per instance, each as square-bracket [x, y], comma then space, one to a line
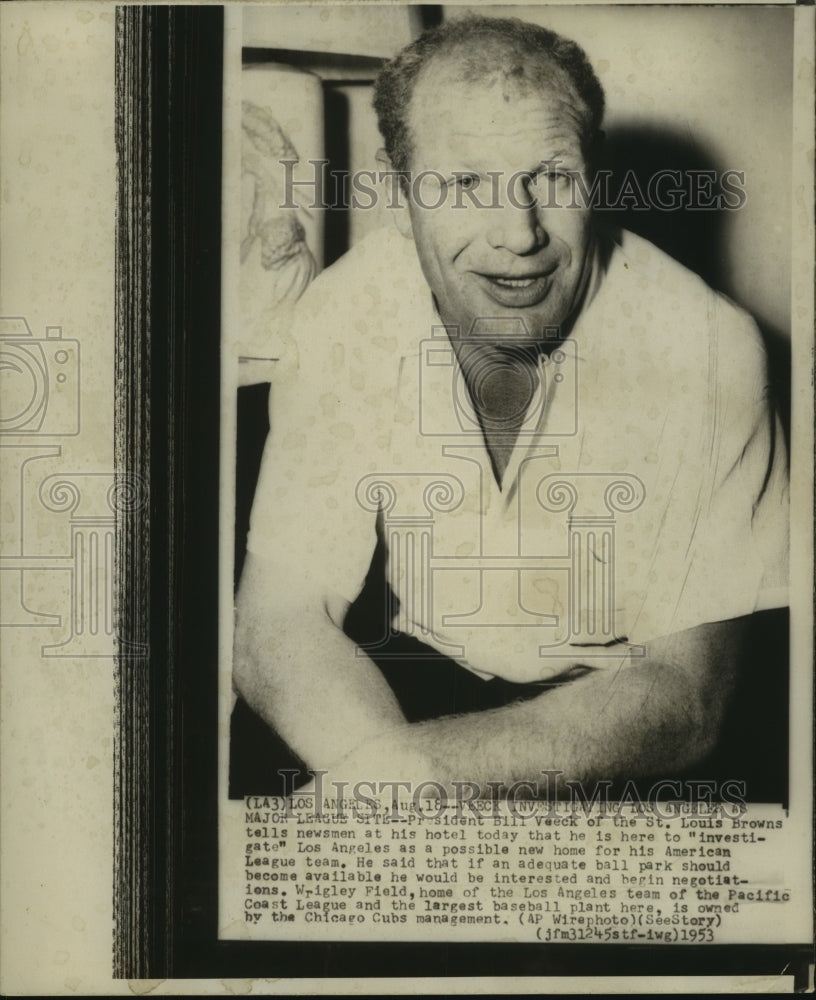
[573, 660]
[383, 769]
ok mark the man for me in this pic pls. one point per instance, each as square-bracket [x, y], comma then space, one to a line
[548, 456]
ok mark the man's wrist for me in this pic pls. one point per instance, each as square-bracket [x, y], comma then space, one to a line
[383, 762]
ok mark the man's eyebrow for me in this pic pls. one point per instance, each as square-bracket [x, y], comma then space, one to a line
[466, 169]
[558, 156]
[558, 159]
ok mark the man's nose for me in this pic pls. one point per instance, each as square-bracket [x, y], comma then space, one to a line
[517, 225]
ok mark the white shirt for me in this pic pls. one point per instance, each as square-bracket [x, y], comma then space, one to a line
[646, 493]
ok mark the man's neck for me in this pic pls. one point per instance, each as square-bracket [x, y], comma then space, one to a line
[503, 378]
[502, 383]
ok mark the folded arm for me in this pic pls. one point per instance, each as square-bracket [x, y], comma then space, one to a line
[302, 675]
[660, 713]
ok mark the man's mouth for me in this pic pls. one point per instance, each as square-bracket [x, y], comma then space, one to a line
[517, 292]
[514, 282]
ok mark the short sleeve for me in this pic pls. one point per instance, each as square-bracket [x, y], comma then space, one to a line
[307, 521]
[724, 544]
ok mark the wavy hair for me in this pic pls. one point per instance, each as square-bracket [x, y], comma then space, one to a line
[482, 47]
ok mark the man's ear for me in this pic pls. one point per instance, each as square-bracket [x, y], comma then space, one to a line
[395, 197]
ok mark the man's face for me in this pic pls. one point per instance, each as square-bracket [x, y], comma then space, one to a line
[524, 250]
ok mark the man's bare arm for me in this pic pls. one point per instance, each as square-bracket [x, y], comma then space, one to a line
[302, 675]
[661, 715]
[307, 680]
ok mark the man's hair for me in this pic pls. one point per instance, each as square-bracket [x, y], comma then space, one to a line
[482, 47]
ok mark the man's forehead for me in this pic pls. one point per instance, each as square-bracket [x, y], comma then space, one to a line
[443, 110]
[497, 65]
[453, 90]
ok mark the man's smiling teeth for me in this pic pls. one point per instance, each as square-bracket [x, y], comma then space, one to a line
[514, 282]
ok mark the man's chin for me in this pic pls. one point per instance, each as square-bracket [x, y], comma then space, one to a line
[496, 324]
[515, 329]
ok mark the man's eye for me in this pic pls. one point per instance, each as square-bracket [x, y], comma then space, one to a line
[550, 184]
[466, 181]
